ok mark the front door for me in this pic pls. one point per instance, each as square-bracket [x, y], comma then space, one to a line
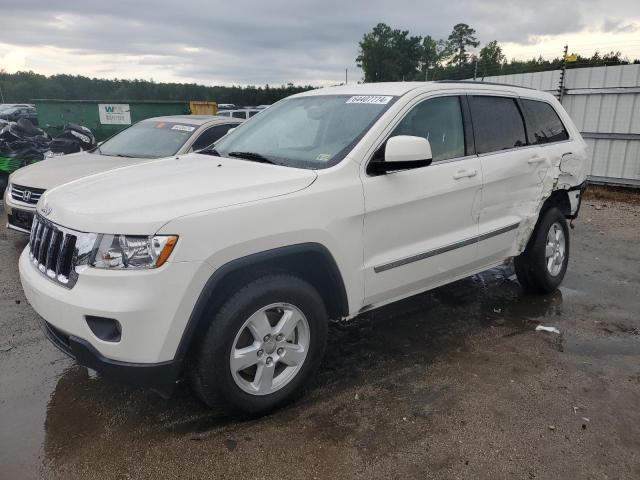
[420, 227]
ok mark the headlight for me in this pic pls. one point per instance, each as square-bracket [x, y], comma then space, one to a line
[132, 251]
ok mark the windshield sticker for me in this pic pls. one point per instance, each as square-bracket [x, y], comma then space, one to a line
[160, 125]
[323, 157]
[183, 128]
[370, 99]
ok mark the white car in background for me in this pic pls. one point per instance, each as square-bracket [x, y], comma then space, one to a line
[143, 142]
[242, 113]
[226, 265]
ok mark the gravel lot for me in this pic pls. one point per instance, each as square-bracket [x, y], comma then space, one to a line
[455, 383]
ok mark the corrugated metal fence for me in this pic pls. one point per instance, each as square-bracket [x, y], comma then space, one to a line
[604, 103]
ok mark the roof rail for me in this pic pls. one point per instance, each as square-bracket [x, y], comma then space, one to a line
[477, 82]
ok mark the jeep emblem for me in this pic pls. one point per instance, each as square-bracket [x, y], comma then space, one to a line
[46, 209]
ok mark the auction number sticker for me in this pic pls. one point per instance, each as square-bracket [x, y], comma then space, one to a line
[370, 99]
[183, 128]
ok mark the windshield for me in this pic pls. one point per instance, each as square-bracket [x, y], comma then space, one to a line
[148, 139]
[308, 132]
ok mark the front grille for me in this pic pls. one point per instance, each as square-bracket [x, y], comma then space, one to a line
[52, 251]
[27, 195]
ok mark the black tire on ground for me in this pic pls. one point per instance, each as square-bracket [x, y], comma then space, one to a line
[210, 373]
[530, 265]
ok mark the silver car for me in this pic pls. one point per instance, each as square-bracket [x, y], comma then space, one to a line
[143, 142]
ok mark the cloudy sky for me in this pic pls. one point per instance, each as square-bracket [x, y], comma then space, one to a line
[278, 41]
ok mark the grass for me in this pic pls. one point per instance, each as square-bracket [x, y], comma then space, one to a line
[613, 194]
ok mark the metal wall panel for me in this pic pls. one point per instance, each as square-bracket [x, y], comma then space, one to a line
[601, 112]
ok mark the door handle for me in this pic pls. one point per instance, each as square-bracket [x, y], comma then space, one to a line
[465, 173]
[534, 160]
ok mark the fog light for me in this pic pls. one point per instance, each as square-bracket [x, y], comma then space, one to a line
[106, 329]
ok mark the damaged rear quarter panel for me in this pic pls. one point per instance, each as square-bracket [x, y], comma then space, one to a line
[568, 169]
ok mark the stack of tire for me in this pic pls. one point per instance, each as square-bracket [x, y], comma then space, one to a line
[74, 138]
[22, 144]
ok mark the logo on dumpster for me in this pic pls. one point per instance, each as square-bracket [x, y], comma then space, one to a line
[114, 113]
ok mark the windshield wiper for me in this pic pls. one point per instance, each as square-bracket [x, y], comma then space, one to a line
[252, 156]
[210, 151]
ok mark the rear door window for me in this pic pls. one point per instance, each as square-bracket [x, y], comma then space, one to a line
[543, 123]
[439, 120]
[211, 135]
[497, 123]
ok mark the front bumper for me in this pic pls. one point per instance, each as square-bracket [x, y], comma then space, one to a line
[151, 306]
[19, 217]
[160, 377]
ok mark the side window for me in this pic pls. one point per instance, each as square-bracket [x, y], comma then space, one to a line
[239, 115]
[211, 135]
[439, 120]
[497, 123]
[543, 123]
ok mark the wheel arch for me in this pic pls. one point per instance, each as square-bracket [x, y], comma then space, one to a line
[310, 261]
[559, 199]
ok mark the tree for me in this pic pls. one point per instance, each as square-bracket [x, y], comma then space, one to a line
[376, 56]
[434, 53]
[388, 55]
[407, 53]
[491, 57]
[462, 37]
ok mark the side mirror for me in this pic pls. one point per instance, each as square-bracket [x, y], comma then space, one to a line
[230, 130]
[403, 152]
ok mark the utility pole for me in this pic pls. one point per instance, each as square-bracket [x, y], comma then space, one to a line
[346, 76]
[475, 70]
[563, 73]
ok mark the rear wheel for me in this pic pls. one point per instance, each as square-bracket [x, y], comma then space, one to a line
[543, 264]
[263, 345]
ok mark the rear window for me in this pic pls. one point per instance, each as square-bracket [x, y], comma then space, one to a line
[497, 123]
[543, 123]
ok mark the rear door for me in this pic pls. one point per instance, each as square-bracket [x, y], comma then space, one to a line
[419, 226]
[512, 170]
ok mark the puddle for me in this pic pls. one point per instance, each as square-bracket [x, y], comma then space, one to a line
[599, 347]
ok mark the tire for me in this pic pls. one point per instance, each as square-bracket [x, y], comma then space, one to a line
[534, 268]
[212, 373]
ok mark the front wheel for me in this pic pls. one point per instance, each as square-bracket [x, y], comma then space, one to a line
[543, 264]
[262, 346]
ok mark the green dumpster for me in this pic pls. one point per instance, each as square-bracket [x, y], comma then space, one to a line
[104, 118]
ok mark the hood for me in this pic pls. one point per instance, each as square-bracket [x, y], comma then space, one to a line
[55, 171]
[140, 199]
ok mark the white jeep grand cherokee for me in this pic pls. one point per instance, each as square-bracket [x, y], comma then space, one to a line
[226, 265]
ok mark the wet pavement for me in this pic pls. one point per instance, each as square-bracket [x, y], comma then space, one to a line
[455, 383]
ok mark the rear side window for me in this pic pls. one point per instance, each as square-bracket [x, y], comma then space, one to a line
[212, 135]
[543, 123]
[239, 115]
[439, 120]
[497, 123]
